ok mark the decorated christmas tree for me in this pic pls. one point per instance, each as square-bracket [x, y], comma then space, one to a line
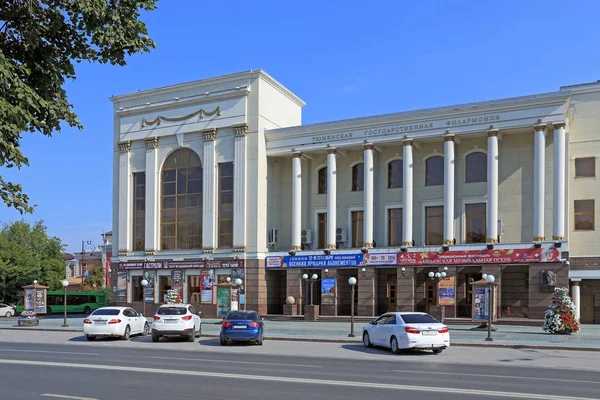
[172, 296]
[560, 315]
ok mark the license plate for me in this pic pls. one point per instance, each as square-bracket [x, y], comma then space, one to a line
[429, 333]
[239, 327]
[99, 322]
[170, 321]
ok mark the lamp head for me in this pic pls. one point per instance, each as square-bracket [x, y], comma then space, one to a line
[437, 274]
[352, 281]
[431, 274]
[238, 282]
[315, 276]
[490, 279]
[228, 279]
[443, 274]
[65, 283]
[144, 282]
[483, 276]
[305, 276]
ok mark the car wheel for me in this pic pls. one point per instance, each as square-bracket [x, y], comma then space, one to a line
[259, 341]
[8, 314]
[87, 310]
[127, 333]
[367, 340]
[91, 338]
[48, 311]
[437, 351]
[223, 342]
[394, 345]
[199, 333]
[191, 338]
[146, 329]
[155, 338]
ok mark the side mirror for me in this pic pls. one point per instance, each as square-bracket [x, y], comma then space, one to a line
[372, 322]
[199, 312]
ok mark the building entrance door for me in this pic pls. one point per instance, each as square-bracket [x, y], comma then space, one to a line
[587, 309]
[430, 294]
[391, 293]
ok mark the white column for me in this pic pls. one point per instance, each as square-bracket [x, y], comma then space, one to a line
[576, 299]
[492, 186]
[449, 189]
[539, 168]
[239, 188]
[407, 193]
[368, 196]
[209, 193]
[559, 182]
[296, 201]
[125, 206]
[152, 200]
[331, 198]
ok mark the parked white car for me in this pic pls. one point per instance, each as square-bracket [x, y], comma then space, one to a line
[6, 310]
[115, 321]
[406, 330]
[176, 320]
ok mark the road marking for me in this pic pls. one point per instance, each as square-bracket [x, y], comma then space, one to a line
[50, 352]
[64, 396]
[368, 385]
[498, 376]
[236, 362]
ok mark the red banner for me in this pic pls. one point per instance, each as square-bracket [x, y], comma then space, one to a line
[509, 256]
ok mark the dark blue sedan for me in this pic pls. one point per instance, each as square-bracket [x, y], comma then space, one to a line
[243, 326]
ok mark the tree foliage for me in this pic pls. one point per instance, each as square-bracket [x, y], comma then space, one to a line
[27, 253]
[40, 40]
[95, 280]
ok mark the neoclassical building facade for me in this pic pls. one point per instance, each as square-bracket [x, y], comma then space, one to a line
[217, 180]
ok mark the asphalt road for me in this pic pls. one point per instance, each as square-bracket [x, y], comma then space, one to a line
[142, 370]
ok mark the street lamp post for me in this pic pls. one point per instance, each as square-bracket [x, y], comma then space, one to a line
[84, 245]
[439, 276]
[144, 284]
[312, 279]
[239, 283]
[65, 283]
[490, 281]
[352, 282]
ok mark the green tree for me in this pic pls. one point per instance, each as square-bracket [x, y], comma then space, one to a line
[95, 280]
[27, 253]
[40, 40]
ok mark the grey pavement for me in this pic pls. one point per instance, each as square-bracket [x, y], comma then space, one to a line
[506, 335]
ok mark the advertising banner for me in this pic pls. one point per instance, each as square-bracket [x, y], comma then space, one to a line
[480, 302]
[40, 301]
[122, 287]
[508, 256]
[447, 291]
[224, 300]
[328, 291]
[29, 293]
[206, 282]
[149, 289]
[195, 264]
[317, 261]
[177, 282]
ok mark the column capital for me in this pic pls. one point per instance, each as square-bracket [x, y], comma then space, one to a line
[539, 127]
[559, 125]
[492, 131]
[331, 150]
[296, 154]
[368, 146]
[240, 130]
[209, 134]
[558, 238]
[407, 142]
[124, 147]
[448, 137]
[151, 143]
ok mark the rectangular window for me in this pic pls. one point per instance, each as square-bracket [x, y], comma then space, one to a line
[226, 205]
[394, 217]
[322, 242]
[475, 229]
[434, 225]
[139, 211]
[164, 284]
[584, 215]
[585, 167]
[357, 228]
[194, 293]
[322, 184]
[137, 290]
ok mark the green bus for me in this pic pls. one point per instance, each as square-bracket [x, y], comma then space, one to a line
[77, 302]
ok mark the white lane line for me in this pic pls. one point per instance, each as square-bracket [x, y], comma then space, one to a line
[64, 396]
[367, 385]
[49, 352]
[498, 376]
[236, 362]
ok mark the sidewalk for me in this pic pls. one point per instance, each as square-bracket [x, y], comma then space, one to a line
[460, 335]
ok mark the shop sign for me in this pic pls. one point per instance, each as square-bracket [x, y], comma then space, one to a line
[337, 260]
[456, 257]
[328, 291]
[197, 264]
[446, 291]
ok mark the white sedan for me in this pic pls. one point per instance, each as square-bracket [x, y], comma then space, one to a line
[115, 322]
[6, 310]
[406, 330]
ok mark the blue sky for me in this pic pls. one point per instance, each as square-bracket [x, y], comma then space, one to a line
[344, 58]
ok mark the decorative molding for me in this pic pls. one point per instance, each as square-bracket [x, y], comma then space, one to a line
[123, 253]
[368, 146]
[560, 125]
[492, 131]
[331, 246]
[240, 130]
[240, 250]
[539, 238]
[151, 143]
[209, 250]
[209, 134]
[201, 112]
[331, 150]
[296, 248]
[492, 240]
[561, 238]
[124, 147]
[150, 252]
[296, 154]
[449, 241]
[539, 127]
[407, 244]
[368, 245]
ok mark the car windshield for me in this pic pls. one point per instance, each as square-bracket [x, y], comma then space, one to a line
[241, 315]
[419, 319]
[106, 312]
[172, 311]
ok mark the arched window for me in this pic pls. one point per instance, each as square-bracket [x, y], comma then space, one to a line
[181, 201]
[322, 187]
[395, 172]
[476, 167]
[434, 171]
[358, 177]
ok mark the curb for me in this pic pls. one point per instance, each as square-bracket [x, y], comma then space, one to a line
[356, 341]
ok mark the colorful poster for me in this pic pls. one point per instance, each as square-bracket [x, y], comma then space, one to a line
[241, 274]
[453, 257]
[206, 284]
[328, 291]
[447, 291]
[149, 289]
[317, 261]
[40, 301]
[223, 300]
[29, 293]
[480, 302]
[177, 282]
[122, 287]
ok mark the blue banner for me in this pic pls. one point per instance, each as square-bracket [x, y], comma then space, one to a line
[337, 260]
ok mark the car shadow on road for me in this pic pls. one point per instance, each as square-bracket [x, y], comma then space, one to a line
[385, 352]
